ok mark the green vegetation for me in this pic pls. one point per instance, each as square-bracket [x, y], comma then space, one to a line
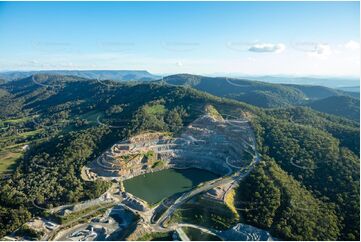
[83, 213]
[91, 117]
[12, 218]
[205, 212]
[343, 106]
[155, 117]
[8, 161]
[97, 188]
[346, 131]
[272, 200]
[213, 112]
[27, 232]
[14, 138]
[158, 164]
[256, 93]
[150, 157]
[230, 201]
[157, 236]
[17, 120]
[155, 109]
[115, 109]
[316, 159]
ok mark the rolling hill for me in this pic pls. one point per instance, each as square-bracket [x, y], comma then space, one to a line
[343, 106]
[257, 93]
[332, 82]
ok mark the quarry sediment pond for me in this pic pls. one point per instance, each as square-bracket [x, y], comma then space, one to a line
[153, 187]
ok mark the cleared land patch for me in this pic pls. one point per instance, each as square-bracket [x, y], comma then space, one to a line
[8, 161]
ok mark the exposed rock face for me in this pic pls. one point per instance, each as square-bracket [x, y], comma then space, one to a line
[209, 143]
[244, 232]
[134, 203]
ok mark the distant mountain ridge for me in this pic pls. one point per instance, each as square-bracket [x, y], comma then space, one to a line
[261, 94]
[117, 75]
[332, 82]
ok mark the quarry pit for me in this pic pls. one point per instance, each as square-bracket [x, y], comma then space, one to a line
[210, 143]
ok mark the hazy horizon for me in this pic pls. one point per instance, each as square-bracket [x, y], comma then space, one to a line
[204, 74]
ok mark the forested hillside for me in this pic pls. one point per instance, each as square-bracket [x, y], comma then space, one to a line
[271, 199]
[319, 162]
[306, 187]
[343, 106]
[261, 94]
[346, 131]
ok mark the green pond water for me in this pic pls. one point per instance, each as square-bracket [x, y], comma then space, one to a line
[153, 187]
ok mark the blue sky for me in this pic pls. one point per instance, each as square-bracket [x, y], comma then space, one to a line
[298, 38]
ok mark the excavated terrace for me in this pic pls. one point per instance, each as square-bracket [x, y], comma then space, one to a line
[210, 143]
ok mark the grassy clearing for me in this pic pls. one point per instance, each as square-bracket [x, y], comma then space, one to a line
[80, 216]
[13, 149]
[18, 120]
[213, 112]
[30, 133]
[157, 236]
[8, 161]
[91, 116]
[156, 109]
[75, 215]
[24, 135]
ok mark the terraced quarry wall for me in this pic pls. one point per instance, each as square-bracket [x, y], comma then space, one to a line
[209, 143]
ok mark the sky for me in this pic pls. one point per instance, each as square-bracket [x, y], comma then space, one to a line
[248, 38]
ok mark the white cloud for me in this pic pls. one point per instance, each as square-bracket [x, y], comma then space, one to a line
[352, 45]
[322, 51]
[267, 48]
